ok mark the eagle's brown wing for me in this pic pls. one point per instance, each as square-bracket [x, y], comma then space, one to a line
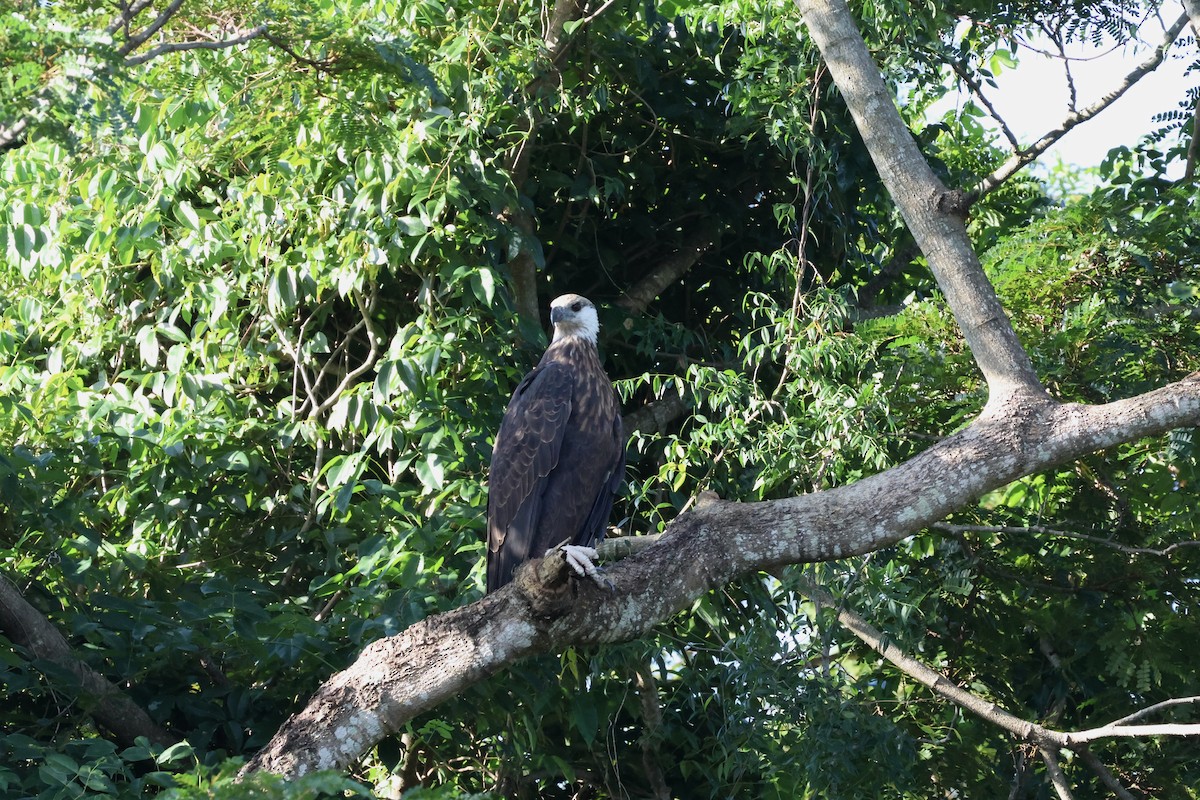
[527, 450]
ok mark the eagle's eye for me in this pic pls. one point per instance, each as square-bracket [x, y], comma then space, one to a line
[576, 306]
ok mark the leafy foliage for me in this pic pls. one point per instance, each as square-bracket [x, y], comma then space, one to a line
[256, 328]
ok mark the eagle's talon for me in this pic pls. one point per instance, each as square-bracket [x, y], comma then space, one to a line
[579, 559]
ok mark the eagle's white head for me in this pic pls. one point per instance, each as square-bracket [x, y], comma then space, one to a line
[573, 315]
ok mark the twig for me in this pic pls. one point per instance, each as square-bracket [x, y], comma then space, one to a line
[1044, 531]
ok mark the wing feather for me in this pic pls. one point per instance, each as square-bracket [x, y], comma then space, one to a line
[558, 461]
[527, 450]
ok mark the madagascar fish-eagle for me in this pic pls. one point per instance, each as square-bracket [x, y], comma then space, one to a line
[559, 457]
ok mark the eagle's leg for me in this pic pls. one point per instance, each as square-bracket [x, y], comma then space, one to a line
[579, 559]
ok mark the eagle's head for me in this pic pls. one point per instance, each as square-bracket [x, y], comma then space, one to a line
[573, 315]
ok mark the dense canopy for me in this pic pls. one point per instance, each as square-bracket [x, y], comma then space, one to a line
[271, 270]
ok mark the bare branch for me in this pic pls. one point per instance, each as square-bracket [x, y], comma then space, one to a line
[1148, 710]
[1102, 772]
[138, 39]
[1045, 531]
[1023, 157]
[1057, 778]
[1126, 731]
[1048, 740]
[179, 47]
[373, 339]
[126, 16]
[977, 89]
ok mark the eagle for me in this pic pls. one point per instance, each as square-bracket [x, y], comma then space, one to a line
[559, 457]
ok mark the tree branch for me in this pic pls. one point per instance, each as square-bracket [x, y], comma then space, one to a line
[26, 627]
[638, 297]
[1047, 740]
[1023, 157]
[1061, 785]
[138, 39]
[1045, 531]
[647, 689]
[410, 673]
[1103, 774]
[1192, 8]
[656, 416]
[934, 214]
[179, 47]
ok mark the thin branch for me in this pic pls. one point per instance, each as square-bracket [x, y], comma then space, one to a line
[1102, 772]
[126, 16]
[368, 362]
[1057, 778]
[1148, 710]
[1131, 731]
[298, 363]
[1023, 157]
[1045, 531]
[138, 39]
[179, 47]
[985, 709]
[977, 90]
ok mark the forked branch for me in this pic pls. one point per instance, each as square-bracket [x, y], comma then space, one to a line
[1025, 156]
[1048, 741]
[935, 215]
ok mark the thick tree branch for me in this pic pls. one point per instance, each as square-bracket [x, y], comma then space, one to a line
[1023, 157]
[402, 676]
[26, 627]
[656, 416]
[1192, 7]
[642, 294]
[934, 214]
